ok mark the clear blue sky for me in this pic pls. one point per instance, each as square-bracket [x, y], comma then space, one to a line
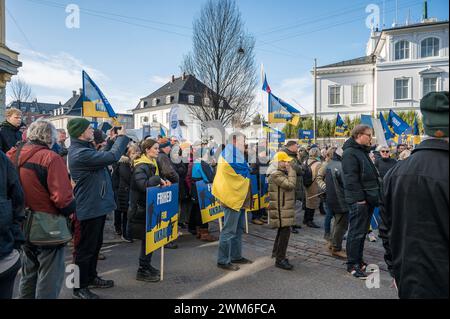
[132, 47]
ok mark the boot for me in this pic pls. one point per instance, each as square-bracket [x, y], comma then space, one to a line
[206, 236]
[147, 275]
[338, 253]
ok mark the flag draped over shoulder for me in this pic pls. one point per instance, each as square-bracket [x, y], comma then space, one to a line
[95, 104]
[232, 181]
[341, 128]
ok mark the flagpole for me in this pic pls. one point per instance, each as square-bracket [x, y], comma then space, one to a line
[315, 100]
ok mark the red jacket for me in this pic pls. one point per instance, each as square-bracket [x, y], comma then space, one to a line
[40, 165]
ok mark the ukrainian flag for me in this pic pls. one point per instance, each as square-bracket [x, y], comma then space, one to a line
[416, 133]
[282, 112]
[232, 181]
[340, 128]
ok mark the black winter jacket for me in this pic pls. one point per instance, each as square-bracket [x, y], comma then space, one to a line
[12, 203]
[143, 176]
[167, 169]
[9, 136]
[334, 180]
[415, 222]
[362, 181]
[121, 182]
[384, 165]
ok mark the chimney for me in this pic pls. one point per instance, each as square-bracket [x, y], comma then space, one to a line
[74, 93]
[81, 92]
[425, 11]
[184, 76]
[60, 103]
[173, 78]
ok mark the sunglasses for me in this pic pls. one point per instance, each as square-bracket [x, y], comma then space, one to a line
[384, 151]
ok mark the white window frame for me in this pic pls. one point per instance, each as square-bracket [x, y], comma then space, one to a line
[363, 93]
[408, 49]
[167, 117]
[168, 99]
[409, 89]
[438, 49]
[341, 97]
[154, 117]
[154, 102]
[430, 76]
[191, 99]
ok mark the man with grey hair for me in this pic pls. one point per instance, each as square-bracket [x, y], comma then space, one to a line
[47, 189]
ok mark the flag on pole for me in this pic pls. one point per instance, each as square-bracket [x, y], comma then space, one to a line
[397, 124]
[341, 128]
[416, 132]
[95, 103]
[387, 131]
[266, 86]
[282, 112]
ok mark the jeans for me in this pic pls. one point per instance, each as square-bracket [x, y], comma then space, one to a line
[359, 220]
[281, 243]
[88, 248]
[144, 260]
[42, 272]
[328, 218]
[230, 241]
[339, 228]
[7, 281]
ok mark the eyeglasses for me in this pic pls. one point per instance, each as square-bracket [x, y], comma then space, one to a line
[369, 135]
[384, 151]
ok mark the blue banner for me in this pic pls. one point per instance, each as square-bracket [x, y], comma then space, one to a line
[162, 216]
[210, 208]
[397, 124]
[367, 120]
[306, 134]
[260, 194]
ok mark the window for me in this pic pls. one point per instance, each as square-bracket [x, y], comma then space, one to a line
[429, 47]
[155, 118]
[168, 99]
[429, 85]
[154, 102]
[401, 89]
[358, 94]
[334, 95]
[402, 50]
[145, 103]
[191, 99]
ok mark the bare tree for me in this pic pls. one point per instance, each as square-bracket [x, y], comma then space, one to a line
[20, 91]
[223, 59]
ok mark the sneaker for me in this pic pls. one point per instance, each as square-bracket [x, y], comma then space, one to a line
[284, 264]
[242, 261]
[101, 283]
[312, 225]
[84, 293]
[357, 273]
[371, 236]
[147, 276]
[171, 245]
[127, 240]
[229, 266]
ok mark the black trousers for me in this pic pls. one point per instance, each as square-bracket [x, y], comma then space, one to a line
[195, 219]
[281, 243]
[7, 281]
[91, 241]
[309, 215]
[120, 221]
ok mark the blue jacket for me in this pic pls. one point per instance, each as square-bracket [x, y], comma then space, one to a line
[89, 170]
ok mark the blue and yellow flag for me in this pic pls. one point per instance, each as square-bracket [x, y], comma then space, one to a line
[387, 131]
[282, 112]
[396, 123]
[416, 133]
[232, 181]
[341, 128]
[95, 104]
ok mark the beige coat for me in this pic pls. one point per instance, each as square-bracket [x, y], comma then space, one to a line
[282, 187]
[314, 189]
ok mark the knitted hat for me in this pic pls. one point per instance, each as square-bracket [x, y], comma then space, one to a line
[77, 126]
[434, 108]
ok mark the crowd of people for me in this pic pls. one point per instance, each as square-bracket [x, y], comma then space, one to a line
[48, 191]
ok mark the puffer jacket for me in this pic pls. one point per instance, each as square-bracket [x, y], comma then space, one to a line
[282, 196]
[334, 181]
[9, 136]
[297, 166]
[122, 175]
[145, 174]
[314, 189]
[361, 178]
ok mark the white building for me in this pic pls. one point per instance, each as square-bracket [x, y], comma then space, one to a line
[402, 65]
[184, 92]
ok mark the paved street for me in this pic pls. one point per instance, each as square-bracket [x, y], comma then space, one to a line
[191, 272]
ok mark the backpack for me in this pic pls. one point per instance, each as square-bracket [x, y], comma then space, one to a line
[307, 174]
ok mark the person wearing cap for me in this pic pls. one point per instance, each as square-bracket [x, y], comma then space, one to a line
[94, 199]
[336, 204]
[414, 212]
[282, 187]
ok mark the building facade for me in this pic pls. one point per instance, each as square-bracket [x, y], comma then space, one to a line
[32, 111]
[401, 65]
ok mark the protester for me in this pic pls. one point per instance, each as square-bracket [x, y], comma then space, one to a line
[414, 214]
[100, 139]
[167, 170]
[62, 137]
[362, 193]
[336, 204]
[231, 187]
[47, 189]
[181, 166]
[95, 199]
[145, 174]
[302, 154]
[312, 191]
[282, 186]
[10, 132]
[400, 149]
[199, 170]
[291, 149]
[259, 167]
[122, 171]
[11, 218]
[404, 155]
[385, 163]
